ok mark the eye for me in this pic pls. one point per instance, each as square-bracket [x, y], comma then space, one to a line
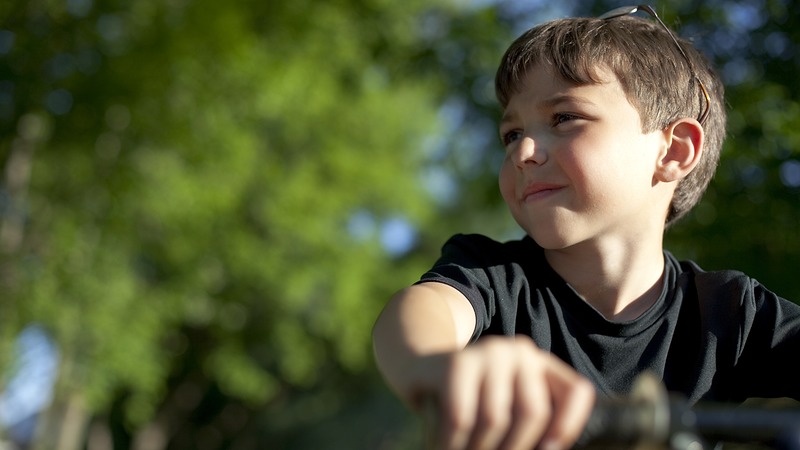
[560, 118]
[509, 137]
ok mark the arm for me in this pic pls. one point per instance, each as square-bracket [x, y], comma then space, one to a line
[501, 390]
[422, 320]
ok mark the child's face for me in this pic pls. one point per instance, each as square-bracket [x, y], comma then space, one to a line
[578, 167]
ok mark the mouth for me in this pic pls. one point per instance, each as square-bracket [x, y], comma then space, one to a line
[538, 191]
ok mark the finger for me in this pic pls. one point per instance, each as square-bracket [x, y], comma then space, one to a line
[531, 410]
[494, 408]
[459, 402]
[573, 398]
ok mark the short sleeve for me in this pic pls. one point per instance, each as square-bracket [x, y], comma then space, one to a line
[463, 265]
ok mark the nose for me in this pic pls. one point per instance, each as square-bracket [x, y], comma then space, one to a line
[529, 151]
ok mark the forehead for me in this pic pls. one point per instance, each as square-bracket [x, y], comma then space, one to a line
[542, 86]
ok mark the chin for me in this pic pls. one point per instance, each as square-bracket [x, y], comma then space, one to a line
[549, 239]
[552, 243]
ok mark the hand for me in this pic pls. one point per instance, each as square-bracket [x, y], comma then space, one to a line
[505, 393]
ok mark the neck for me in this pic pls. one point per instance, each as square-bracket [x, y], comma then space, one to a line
[620, 279]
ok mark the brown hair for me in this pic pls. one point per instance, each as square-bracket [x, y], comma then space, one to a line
[654, 76]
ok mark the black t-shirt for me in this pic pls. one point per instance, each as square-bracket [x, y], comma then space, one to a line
[717, 336]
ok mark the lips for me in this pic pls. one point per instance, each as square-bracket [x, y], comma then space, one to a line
[535, 191]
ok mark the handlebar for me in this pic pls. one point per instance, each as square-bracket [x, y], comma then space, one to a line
[650, 417]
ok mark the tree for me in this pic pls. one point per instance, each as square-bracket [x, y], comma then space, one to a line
[187, 230]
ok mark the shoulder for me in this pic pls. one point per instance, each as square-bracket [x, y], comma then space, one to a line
[714, 281]
[483, 266]
[732, 287]
[483, 248]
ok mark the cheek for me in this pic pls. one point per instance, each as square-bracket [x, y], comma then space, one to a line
[507, 183]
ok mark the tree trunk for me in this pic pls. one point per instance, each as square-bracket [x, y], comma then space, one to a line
[100, 436]
[63, 426]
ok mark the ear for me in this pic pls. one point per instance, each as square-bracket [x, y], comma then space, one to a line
[684, 147]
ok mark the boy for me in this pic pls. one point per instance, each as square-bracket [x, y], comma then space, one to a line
[612, 130]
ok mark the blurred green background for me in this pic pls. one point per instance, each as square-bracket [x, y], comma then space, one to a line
[204, 204]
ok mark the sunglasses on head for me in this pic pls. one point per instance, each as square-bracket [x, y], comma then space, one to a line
[626, 10]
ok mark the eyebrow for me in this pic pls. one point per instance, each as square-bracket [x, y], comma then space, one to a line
[550, 103]
[565, 98]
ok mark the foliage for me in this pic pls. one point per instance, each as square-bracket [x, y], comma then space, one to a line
[194, 169]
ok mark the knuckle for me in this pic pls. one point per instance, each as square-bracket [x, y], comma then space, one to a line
[458, 423]
[524, 341]
[532, 408]
[527, 348]
[582, 388]
[528, 411]
[494, 420]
